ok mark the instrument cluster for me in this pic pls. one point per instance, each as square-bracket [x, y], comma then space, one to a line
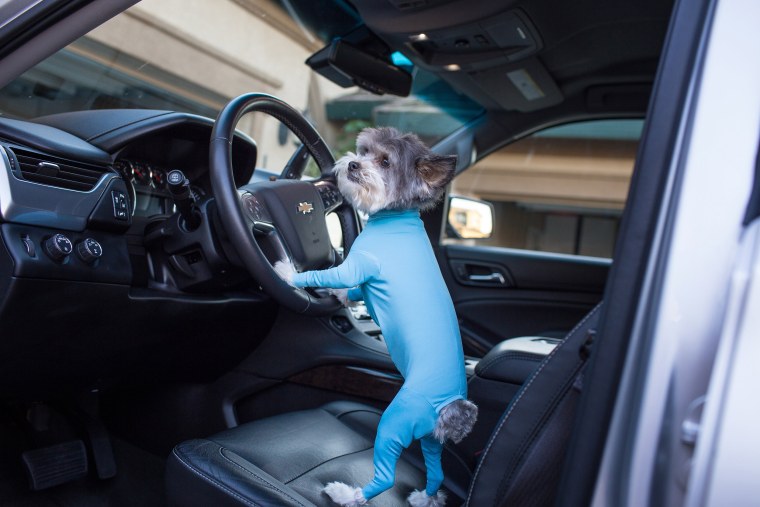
[147, 187]
[142, 174]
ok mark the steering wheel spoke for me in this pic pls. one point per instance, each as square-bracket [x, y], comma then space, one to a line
[256, 214]
[262, 227]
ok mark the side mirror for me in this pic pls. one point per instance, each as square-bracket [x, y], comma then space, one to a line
[469, 218]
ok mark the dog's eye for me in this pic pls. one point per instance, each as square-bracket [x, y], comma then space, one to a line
[385, 162]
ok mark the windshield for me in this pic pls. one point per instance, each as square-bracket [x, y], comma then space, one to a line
[194, 56]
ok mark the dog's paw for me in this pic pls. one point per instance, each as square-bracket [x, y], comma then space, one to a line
[285, 270]
[421, 499]
[342, 296]
[344, 495]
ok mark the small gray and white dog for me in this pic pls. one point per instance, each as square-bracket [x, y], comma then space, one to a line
[392, 267]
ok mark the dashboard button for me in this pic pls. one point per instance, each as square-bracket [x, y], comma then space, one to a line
[120, 206]
[89, 250]
[58, 247]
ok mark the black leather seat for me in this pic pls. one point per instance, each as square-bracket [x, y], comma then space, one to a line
[286, 460]
[258, 461]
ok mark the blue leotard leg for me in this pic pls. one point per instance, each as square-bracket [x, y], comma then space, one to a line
[408, 417]
[432, 450]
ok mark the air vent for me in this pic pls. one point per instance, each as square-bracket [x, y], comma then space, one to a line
[56, 172]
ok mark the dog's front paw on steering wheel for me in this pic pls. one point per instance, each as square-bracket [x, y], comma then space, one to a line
[342, 296]
[285, 270]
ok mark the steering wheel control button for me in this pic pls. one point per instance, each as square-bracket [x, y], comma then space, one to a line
[120, 205]
[330, 197]
[89, 250]
[58, 247]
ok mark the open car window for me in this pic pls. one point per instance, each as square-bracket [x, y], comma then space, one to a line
[561, 190]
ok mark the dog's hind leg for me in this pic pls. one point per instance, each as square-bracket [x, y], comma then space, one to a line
[421, 499]
[393, 435]
[408, 413]
[431, 497]
[344, 495]
[432, 450]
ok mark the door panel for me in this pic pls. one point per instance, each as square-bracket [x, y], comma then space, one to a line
[502, 293]
[540, 261]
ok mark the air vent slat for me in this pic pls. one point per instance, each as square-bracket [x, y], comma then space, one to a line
[58, 182]
[57, 172]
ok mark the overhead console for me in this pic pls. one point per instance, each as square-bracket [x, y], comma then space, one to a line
[490, 53]
[479, 45]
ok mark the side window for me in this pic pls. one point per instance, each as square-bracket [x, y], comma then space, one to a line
[560, 190]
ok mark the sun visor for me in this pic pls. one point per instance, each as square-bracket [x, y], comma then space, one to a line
[524, 86]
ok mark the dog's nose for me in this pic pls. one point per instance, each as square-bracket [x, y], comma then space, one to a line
[353, 166]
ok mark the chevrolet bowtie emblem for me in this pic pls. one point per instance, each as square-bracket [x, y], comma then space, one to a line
[305, 208]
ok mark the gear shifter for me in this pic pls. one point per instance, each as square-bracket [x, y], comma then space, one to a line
[179, 187]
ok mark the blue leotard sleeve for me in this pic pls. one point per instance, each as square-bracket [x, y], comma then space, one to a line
[356, 294]
[358, 268]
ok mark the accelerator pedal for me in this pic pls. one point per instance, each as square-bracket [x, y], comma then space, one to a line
[54, 465]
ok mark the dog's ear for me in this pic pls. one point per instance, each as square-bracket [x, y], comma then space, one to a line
[437, 170]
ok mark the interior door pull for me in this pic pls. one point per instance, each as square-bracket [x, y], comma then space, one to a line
[490, 277]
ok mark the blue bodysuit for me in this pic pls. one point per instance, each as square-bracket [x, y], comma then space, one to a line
[393, 268]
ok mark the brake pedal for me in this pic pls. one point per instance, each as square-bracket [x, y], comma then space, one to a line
[54, 465]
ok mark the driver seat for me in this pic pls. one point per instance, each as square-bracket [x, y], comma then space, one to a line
[287, 459]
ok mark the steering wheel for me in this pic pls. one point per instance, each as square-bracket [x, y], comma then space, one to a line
[281, 219]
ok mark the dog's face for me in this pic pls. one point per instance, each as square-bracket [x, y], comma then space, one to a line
[391, 170]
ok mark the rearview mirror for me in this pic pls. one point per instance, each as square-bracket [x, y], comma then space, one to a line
[347, 65]
[469, 218]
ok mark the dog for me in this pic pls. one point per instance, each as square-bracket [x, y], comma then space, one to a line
[392, 267]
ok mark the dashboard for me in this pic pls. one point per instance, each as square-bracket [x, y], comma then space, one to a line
[94, 282]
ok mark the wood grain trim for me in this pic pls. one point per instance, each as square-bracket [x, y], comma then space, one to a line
[356, 381]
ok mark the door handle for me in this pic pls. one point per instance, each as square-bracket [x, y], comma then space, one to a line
[490, 277]
[480, 274]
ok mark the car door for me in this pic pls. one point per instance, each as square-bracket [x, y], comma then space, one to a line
[556, 197]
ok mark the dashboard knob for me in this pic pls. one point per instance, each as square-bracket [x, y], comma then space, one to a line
[58, 247]
[89, 250]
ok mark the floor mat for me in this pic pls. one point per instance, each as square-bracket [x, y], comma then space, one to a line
[139, 480]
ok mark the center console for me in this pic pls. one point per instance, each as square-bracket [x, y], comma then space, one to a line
[497, 377]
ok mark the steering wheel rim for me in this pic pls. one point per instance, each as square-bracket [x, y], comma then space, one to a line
[227, 197]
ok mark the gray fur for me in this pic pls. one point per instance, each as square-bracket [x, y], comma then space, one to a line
[421, 499]
[455, 421]
[414, 177]
[344, 495]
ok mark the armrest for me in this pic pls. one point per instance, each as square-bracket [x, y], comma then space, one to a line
[514, 360]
